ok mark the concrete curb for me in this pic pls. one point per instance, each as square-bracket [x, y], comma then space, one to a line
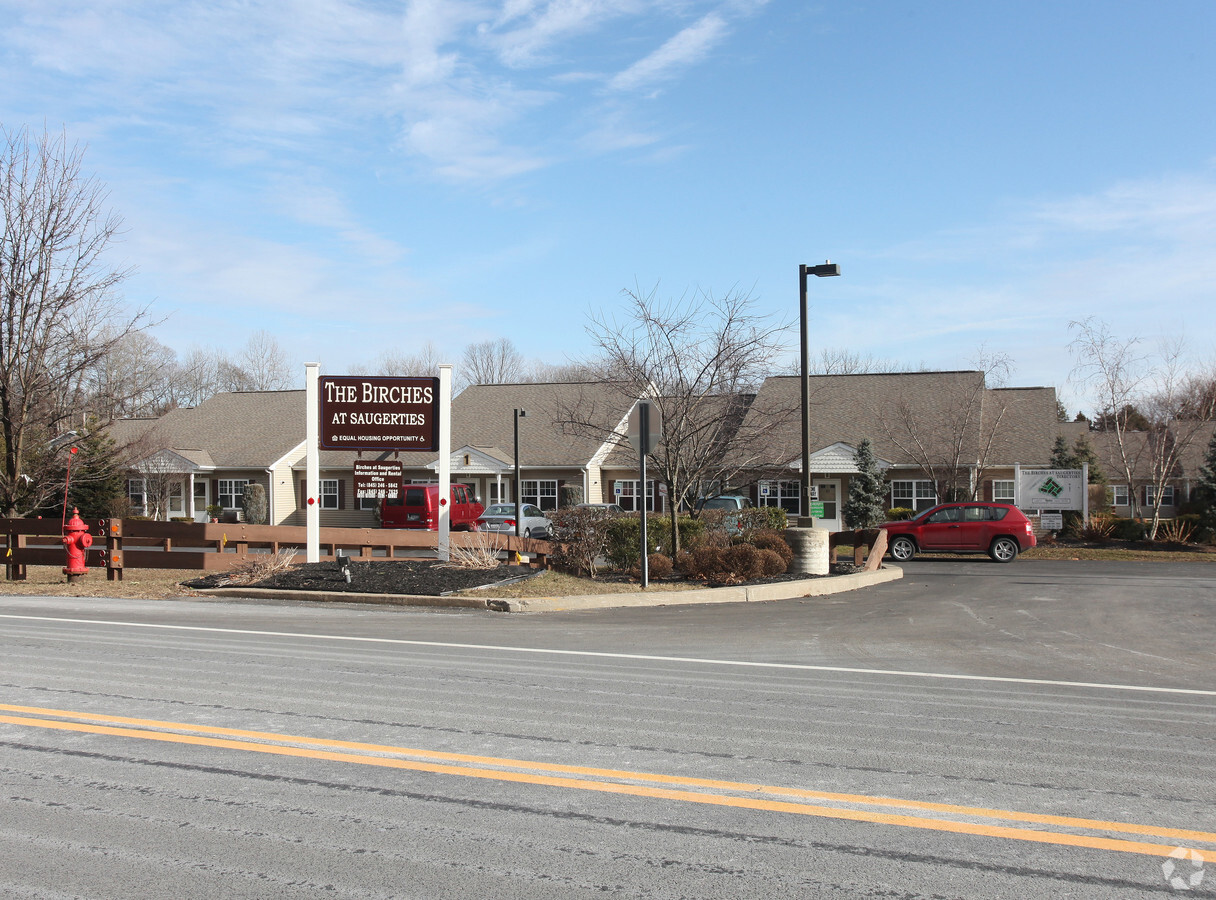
[783, 590]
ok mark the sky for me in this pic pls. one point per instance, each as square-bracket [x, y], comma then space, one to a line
[359, 177]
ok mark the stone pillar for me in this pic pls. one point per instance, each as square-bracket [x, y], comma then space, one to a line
[810, 546]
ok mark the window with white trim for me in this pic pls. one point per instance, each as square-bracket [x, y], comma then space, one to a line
[1117, 495]
[329, 493]
[177, 498]
[628, 495]
[1002, 491]
[1167, 495]
[136, 494]
[914, 495]
[540, 492]
[785, 494]
[231, 490]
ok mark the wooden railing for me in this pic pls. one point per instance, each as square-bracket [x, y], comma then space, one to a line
[120, 544]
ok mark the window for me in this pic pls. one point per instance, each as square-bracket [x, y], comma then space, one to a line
[786, 494]
[914, 495]
[628, 495]
[494, 496]
[135, 493]
[1002, 491]
[1167, 495]
[329, 493]
[231, 490]
[1116, 495]
[177, 503]
[369, 503]
[540, 493]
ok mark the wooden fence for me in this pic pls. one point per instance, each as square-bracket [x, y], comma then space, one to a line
[120, 544]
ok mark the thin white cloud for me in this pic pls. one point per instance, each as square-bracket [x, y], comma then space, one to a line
[686, 49]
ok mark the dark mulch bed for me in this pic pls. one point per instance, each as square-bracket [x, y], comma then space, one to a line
[421, 577]
[416, 577]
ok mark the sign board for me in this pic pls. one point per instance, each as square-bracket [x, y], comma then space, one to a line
[654, 433]
[1052, 521]
[378, 480]
[378, 413]
[813, 493]
[817, 509]
[1052, 489]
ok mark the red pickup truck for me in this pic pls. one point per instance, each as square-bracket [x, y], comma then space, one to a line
[418, 507]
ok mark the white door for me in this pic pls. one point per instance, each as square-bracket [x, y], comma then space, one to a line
[201, 499]
[829, 496]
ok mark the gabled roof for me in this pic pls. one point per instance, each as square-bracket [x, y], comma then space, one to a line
[849, 408]
[248, 429]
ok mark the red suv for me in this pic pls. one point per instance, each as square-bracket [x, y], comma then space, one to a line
[998, 529]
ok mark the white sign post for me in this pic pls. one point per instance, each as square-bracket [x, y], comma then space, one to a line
[445, 462]
[312, 463]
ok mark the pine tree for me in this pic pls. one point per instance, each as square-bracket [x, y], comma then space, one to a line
[1083, 452]
[1061, 458]
[865, 507]
[1205, 492]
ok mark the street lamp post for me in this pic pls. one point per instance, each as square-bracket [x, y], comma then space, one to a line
[821, 271]
[519, 507]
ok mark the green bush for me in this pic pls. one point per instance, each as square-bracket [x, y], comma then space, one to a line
[899, 514]
[692, 531]
[181, 519]
[624, 540]
[253, 504]
[1128, 530]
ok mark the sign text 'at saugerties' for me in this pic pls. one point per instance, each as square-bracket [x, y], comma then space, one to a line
[377, 413]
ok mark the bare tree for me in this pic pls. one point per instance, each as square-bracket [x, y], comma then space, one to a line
[843, 361]
[954, 438]
[265, 364]
[697, 358]
[134, 379]
[58, 311]
[491, 362]
[1151, 403]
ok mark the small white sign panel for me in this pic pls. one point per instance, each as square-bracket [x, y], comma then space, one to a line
[1052, 521]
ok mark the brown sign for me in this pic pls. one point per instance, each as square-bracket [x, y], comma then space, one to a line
[378, 413]
[378, 480]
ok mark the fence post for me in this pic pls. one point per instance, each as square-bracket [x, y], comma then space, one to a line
[113, 532]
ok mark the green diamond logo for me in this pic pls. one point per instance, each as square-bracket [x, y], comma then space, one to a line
[1052, 487]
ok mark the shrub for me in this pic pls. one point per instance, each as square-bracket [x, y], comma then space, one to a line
[570, 495]
[772, 562]
[742, 562]
[580, 540]
[253, 503]
[1128, 530]
[774, 543]
[624, 540]
[1101, 526]
[684, 562]
[1175, 531]
[899, 514]
[692, 531]
[658, 566]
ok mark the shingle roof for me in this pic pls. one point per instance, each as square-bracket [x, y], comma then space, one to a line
[249, 429]
[850, 408]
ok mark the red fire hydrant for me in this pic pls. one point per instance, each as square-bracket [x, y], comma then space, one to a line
[76, 540]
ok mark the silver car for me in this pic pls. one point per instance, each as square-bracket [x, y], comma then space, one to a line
[500, 518]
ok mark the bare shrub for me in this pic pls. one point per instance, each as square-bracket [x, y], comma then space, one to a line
[1175, 531]
[771, 562]
[1100, 527]
[658, 566]
[265, 566]
[767, 539]
[481, 554]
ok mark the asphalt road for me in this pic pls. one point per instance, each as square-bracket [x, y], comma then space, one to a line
[1042, 729]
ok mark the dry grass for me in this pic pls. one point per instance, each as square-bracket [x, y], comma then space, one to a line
[483, 554]
[551, 583]
[139, 584]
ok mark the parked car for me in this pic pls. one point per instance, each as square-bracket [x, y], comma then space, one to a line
[501, 518]
[998, 529]
[611, 509]
[725, 501]
[418, 507]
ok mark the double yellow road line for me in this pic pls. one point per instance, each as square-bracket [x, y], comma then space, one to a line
[945, 817]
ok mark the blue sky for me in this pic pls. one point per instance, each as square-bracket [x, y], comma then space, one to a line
[356, 176]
